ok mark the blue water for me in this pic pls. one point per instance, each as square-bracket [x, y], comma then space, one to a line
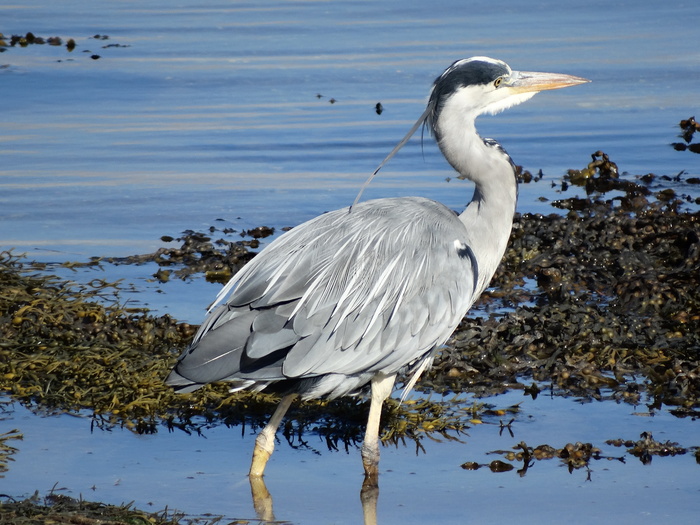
[312, 485]
[209, 111]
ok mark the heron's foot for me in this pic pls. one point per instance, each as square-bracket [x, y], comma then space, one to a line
[257, 466]
[261, 454]
[265, 442]
[371, 480]
[370, 461]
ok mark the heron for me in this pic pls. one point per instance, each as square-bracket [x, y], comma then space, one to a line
[359, 296]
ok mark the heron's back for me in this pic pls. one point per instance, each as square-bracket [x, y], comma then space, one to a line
[338, 299]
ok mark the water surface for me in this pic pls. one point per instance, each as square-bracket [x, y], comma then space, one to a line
[211, 111]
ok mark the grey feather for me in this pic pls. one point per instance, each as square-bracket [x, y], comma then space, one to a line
[269, 332]
[340, 294]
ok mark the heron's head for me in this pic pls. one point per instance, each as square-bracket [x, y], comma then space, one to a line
[472, 86]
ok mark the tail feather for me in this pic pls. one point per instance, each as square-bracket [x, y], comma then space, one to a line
[181, 384]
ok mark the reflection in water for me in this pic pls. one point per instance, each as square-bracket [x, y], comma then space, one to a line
[369, 494]
[262, 500]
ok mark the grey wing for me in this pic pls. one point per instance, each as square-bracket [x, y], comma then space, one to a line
[346, 294]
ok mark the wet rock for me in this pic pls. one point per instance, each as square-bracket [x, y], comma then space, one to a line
[688, 128]
[500, 466]
[647, 446]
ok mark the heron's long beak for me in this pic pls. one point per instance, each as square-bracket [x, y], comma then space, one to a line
[529, 81]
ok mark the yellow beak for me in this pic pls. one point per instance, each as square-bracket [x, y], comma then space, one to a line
[529, 81]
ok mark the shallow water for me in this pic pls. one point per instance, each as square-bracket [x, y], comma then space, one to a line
[211, 112]
[312, 485]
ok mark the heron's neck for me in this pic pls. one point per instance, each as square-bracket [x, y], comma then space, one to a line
[489, 216]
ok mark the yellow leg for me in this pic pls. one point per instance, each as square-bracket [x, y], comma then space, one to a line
[382, 386]
[265, 442]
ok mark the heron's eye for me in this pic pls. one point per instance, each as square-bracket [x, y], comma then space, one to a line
[497, 82]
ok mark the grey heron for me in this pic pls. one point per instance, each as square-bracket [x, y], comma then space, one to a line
[356, 296]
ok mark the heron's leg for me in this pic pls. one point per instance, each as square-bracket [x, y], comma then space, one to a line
[382, 386]
[265, 442]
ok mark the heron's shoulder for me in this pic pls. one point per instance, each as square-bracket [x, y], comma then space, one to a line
[403, 204]
[377, 218]
[410, 211]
